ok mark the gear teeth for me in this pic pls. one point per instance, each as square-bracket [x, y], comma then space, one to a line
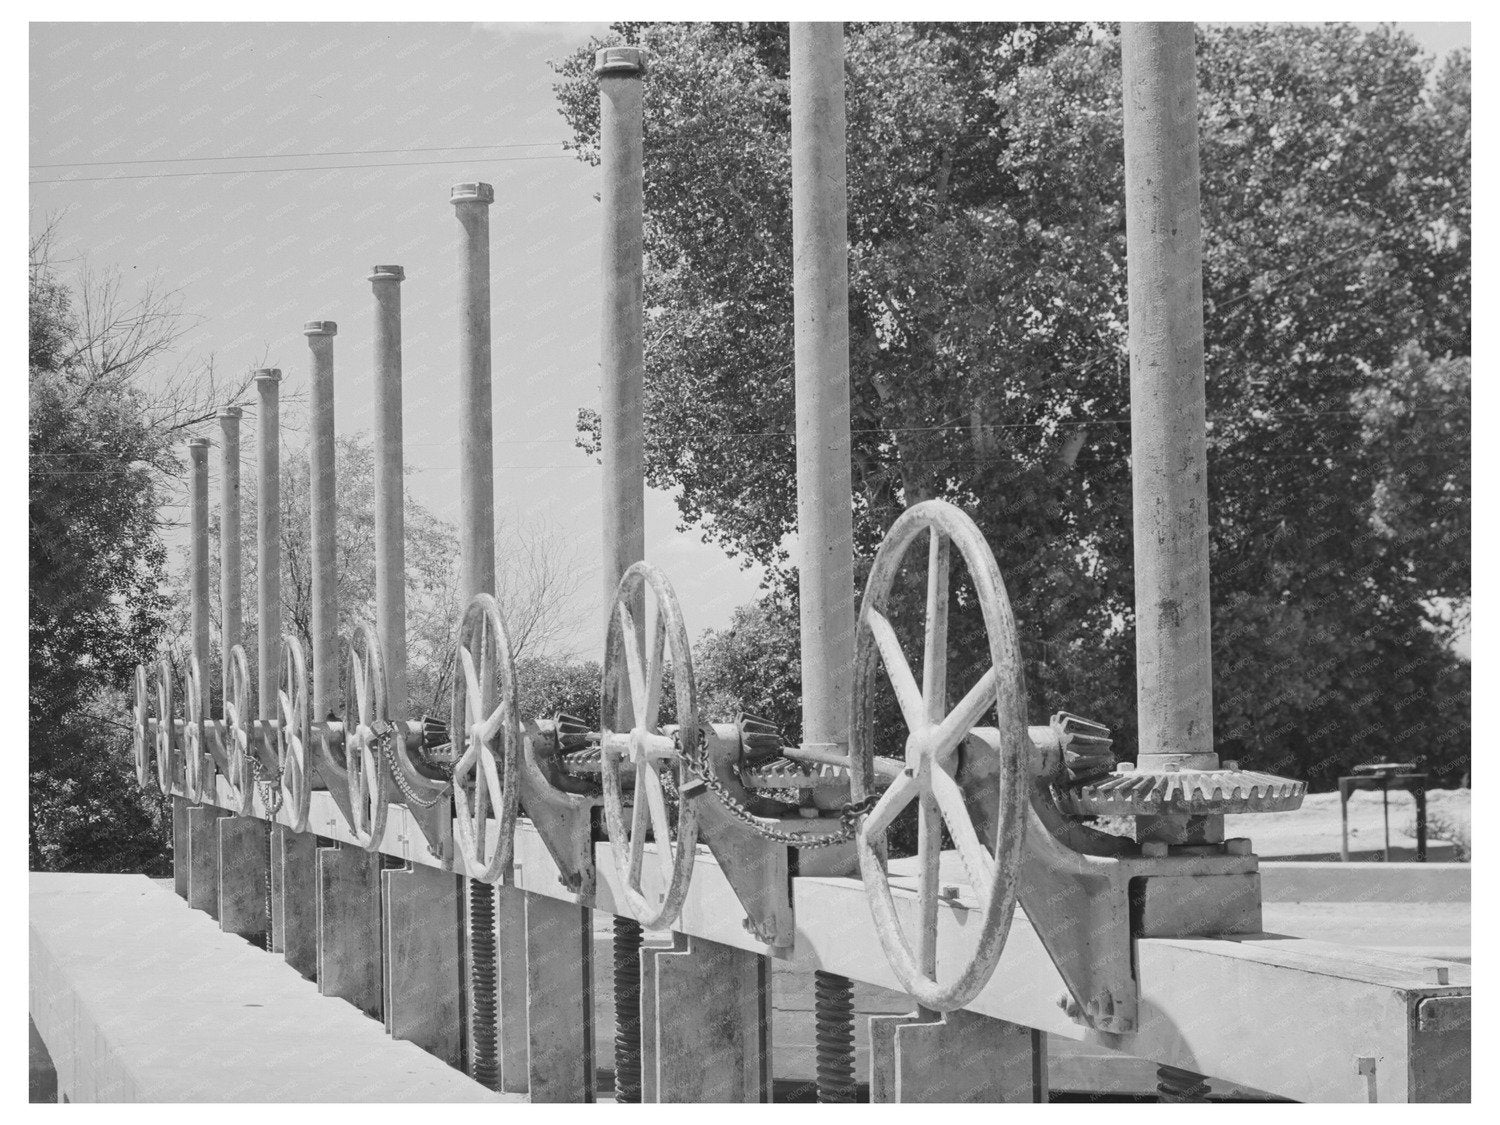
[1086, 747]
[783, 773]
[572, 733]
[585, 761]
[1184, 792]
[759, 738]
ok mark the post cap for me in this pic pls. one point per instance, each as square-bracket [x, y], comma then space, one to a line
[198, 443]
[271, 373]
[472, 193]
[320, 328]
[387, 273]
[230, 412]
[622, 61]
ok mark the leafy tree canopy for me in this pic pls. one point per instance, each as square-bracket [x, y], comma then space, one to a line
[989, 358]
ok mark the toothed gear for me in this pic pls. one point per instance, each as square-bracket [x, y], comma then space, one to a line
[1133, 792]
[782, 773]
[583, 762]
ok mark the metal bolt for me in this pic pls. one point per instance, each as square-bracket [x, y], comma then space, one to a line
[1239, 845]
[949, 892]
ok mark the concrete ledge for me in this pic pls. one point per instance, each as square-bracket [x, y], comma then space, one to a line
[1302, 881]
[140, 999]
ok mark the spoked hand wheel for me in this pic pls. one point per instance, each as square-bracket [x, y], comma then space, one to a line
[364, 706]
[293, 733]
[141, 733]
[238, 717]
[629, 728]
[485, 716]
[933, 741]
[197, 764]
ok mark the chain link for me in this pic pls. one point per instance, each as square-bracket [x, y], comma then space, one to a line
[849, 815]
[388, 748]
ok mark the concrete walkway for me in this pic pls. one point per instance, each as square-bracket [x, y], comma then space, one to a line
[140, 999]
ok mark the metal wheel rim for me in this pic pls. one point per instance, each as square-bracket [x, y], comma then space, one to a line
[139, 734]
[293, 733]
[238, 715]
[161, 691]
[931, 782]
[365, 703]
[197, 767]
[485, 705]
[628, 844]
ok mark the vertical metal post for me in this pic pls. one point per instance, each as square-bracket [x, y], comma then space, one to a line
[825, 517]
[622, 353]
[476, 442]
[619, 71]
[497, 1031]
[198, 523]
[820, 280]
[1174, 683]
[230, 572]
[268, 535]
[390, 523]
[324, 513]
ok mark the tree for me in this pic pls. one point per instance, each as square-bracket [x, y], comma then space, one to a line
[105, 411]
[988, 345]
[753, 666]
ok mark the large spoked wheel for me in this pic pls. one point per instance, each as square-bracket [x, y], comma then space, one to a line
[934, 737]
[630, 732]
[141, 729]
[485, 715]
[365, 705]
[293, 733]
[197, 764]
[238, 716]
[159, 703]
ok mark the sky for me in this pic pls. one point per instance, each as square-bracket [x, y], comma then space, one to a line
[257, 255]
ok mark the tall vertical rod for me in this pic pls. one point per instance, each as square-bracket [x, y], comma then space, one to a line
[324, 511]
[487, 1023]
[230, 571]
[1169, 476]
[472, 202]
[825, 518]
[268, 535]
[1169, 460]
[619, 71]
[198, 523]
[390, 523]
[820, 282]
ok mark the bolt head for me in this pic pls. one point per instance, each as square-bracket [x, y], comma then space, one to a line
[320, 328]
[621, 61]
[472, 193]
[949, 892]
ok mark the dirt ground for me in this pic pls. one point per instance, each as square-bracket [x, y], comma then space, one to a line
[1312, 832]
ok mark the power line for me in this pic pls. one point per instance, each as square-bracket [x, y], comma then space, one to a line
[309, 168]
[294, 155]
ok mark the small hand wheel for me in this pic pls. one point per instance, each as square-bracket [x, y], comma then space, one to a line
[293, 734]
[141, 733]
[485, 715]
[364, 706]
[197, 763]
[645, 746]
[932, 753]
[239, 714]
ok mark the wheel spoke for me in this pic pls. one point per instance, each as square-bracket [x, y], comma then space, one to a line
[929, 855]
[935, 646]
[978, 862]
[471, 682]
[638, 814]
[654, 675]
[965, 717]
[359, 686]
[661, 827]
[907, 693]
[891, 802]
[492, 725]
[637, 679]
[481, 803]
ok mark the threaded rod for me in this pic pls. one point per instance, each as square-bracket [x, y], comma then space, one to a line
[627, 950]
[833, 1014]
[484, 987]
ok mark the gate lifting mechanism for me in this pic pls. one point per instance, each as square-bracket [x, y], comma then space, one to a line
[1014, 799]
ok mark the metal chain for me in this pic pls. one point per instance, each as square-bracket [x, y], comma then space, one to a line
[270, 786]
[849, 815]
[388, 748]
